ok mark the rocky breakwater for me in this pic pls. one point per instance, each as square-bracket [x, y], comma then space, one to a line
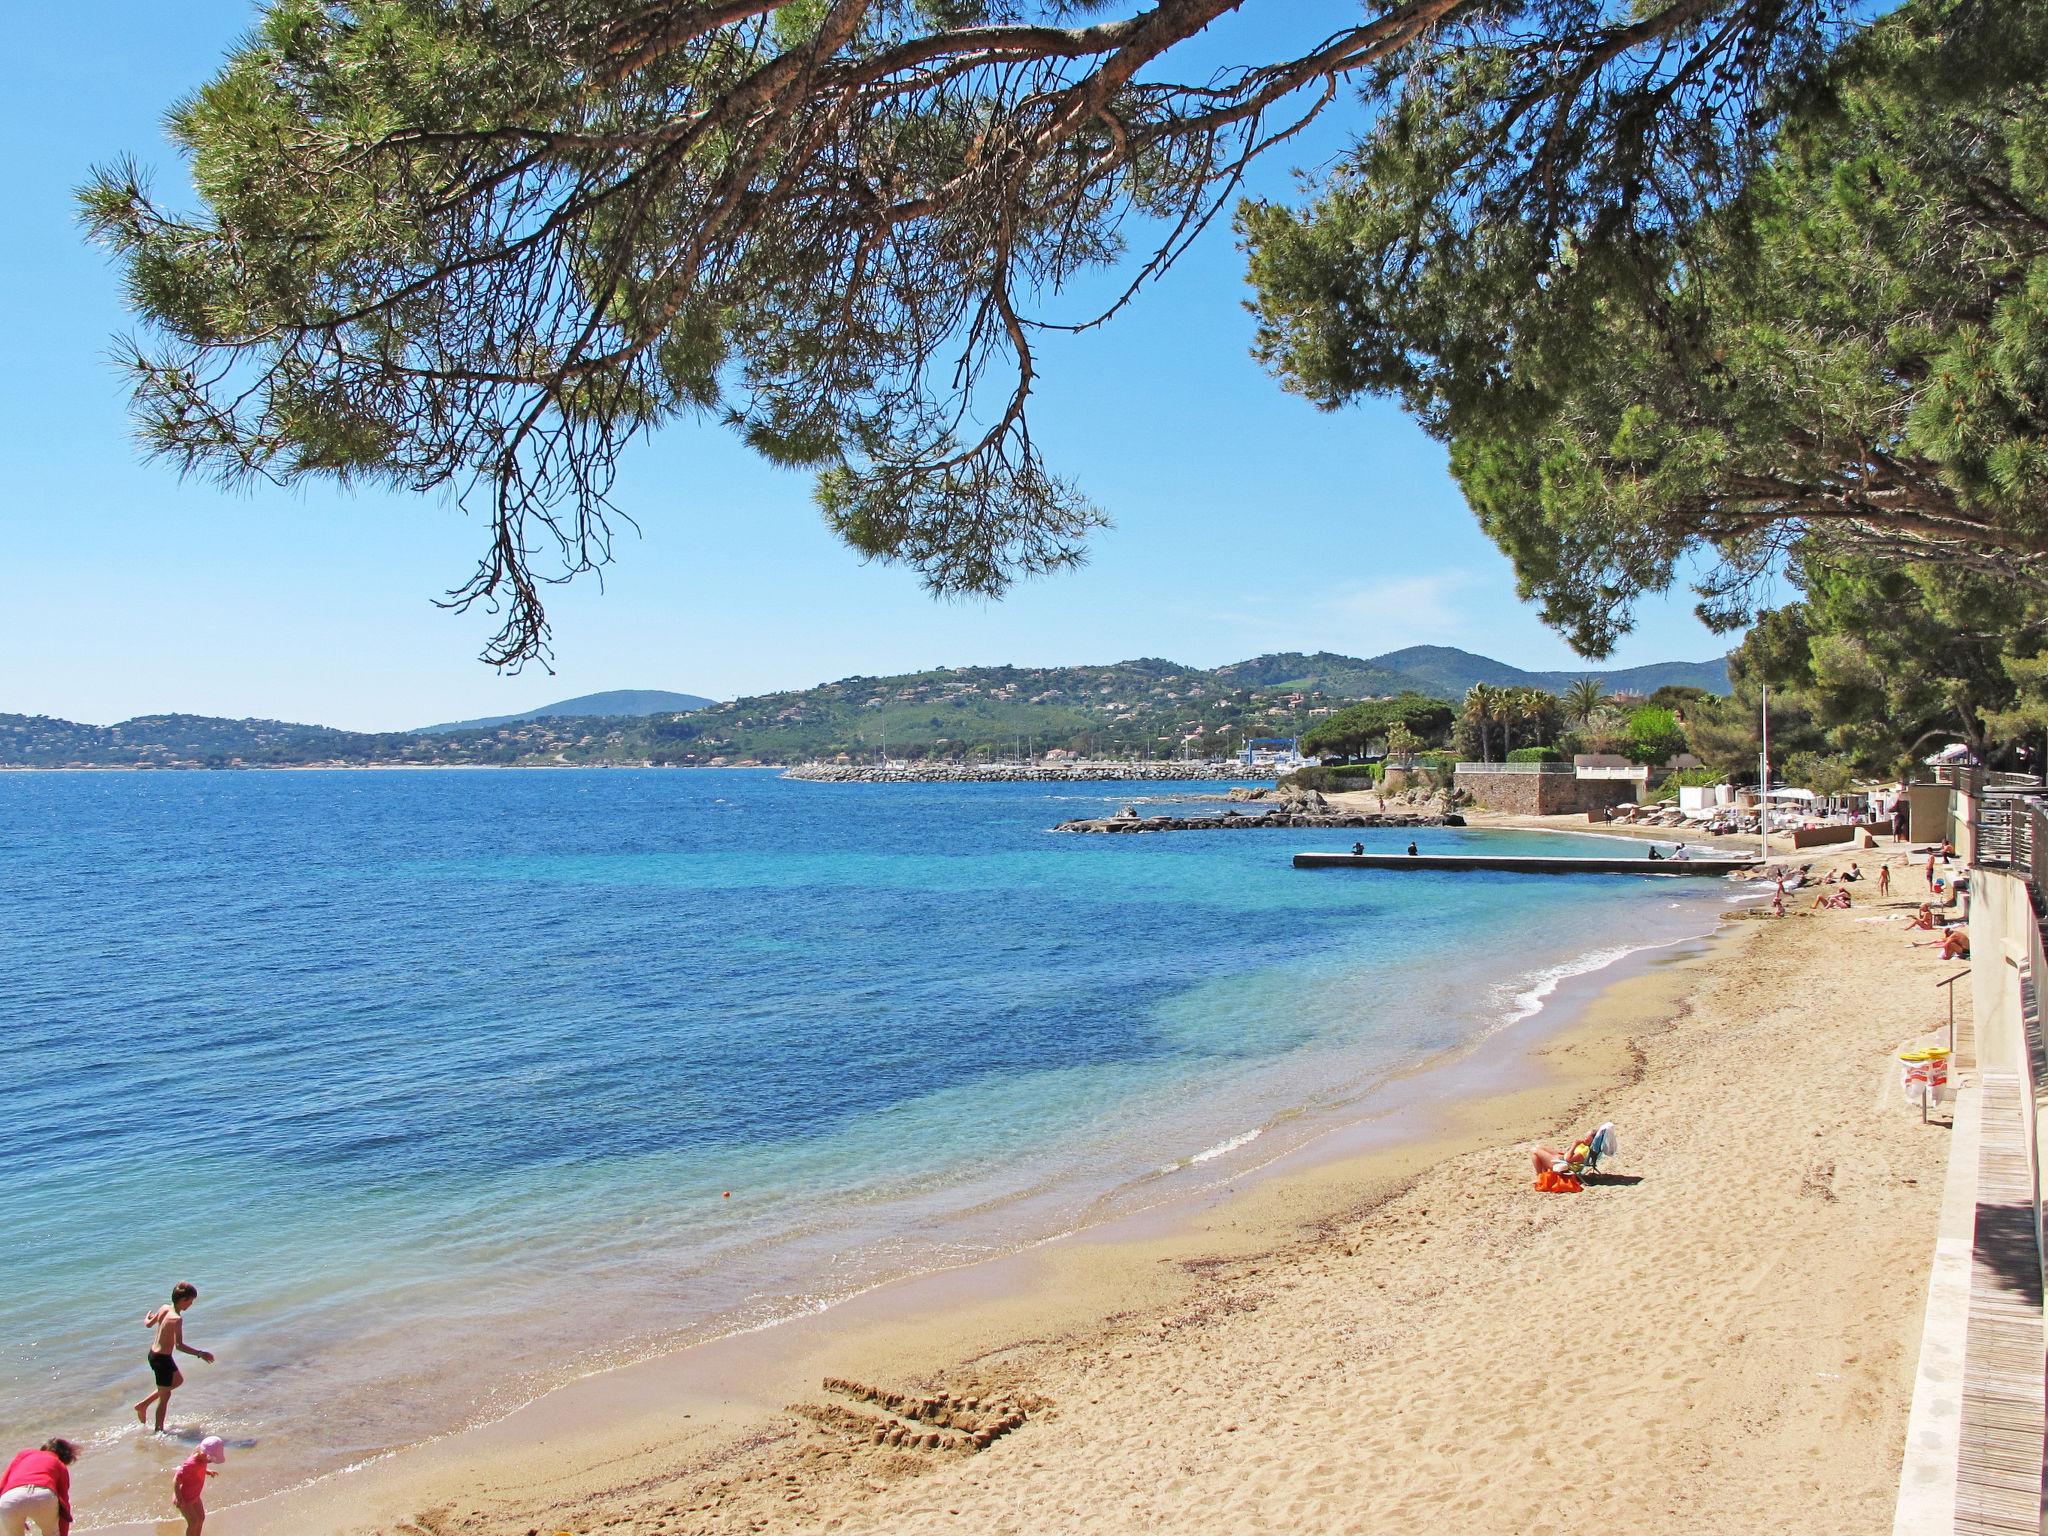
[1306, 810]
[1021, 773]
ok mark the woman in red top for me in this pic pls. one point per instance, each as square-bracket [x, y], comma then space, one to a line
[36, 1490]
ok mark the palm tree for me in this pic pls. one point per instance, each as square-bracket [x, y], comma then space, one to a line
[1482, 704]
[1511, 710]
[1583, 698]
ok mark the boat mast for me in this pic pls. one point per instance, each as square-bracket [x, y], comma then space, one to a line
[1763, 788]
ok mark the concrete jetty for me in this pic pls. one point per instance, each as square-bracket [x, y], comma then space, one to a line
[1531, 864]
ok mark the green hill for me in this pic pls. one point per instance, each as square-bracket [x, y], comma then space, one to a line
[1144, 708]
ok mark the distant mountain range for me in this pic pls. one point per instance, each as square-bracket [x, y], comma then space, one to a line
[1148, 707]
[621, 703]
[1447, 672]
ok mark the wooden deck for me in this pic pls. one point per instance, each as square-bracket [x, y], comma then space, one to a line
[2004, 1433]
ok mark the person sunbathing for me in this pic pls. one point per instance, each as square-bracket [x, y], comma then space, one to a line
[1923, 919]
[1837, 898]
[1560, 1172]
[1954, 942]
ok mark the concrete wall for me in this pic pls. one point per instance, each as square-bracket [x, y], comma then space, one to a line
[1543, 794]
[1931, 813]
[1821, 837]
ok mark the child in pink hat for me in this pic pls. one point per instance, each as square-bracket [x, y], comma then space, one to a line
[188, 1487]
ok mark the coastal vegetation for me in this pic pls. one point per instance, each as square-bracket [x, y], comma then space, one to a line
[1839, 365]
[1368, 725]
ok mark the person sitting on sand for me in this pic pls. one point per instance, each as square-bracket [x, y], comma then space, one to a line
[1851, 873]
[1954, 943]
[1560, 1172]
[188, 1484]
[1837, 898]
[1923, 919]
[168, 1324]
[36, 1490]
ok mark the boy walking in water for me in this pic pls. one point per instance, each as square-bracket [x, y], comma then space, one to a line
[188, 1485]
[167, 1327]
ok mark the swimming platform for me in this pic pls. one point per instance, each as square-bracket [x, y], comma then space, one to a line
[1532, 864]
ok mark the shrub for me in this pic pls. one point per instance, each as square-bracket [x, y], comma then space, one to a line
[1331, 776]
[1537, 755]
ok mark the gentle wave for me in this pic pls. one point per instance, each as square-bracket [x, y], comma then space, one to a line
[1210, 1154]
[1528, 1000]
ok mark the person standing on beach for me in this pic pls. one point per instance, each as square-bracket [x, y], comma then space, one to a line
[36, 1490]
[188, 1484]
[168, 1324]
[1930, 869]
[1884, 879]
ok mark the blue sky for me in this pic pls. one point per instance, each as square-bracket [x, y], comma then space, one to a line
[1245, 521]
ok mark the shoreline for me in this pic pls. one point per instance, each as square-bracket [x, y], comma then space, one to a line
[1430, 1103]
[722, 1423]
[1743, 1355]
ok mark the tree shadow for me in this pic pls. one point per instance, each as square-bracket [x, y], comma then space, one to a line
[2005, 1246]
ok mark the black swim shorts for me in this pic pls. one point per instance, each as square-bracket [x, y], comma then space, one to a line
[164, 1368]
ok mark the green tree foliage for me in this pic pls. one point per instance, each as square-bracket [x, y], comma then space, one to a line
[1822, 775]
[1605, 730]
[1848, 355]
[1509, 717]
[1357, 728]
[1476, 715]
[1583, 700]
[1654, 735]
[481, 247]
[1678, 698]
[1884, 662]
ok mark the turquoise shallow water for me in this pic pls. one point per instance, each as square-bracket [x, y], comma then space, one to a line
[382, 1059]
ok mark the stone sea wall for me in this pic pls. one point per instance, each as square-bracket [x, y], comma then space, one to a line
[1231, 821]
[1543, 794]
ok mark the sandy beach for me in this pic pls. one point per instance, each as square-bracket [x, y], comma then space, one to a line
[1369, 1337]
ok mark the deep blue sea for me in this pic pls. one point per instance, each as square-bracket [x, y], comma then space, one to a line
[377, 1058]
